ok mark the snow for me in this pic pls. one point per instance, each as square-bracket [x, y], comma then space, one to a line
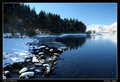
[42, 61]
[51, 50]
[59, 49]
[34, 59]
[100, 28]
[61, 35]
[38, 64]
[41, 53]
[37, 70]
[6, 72]
[26, 75]
[15, 50]
[23, 70]
[47, 68]
[31, 68]
[4, 77]
[46, 65]
[42, 46]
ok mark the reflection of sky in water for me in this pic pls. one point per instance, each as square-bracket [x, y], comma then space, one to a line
[106, 36]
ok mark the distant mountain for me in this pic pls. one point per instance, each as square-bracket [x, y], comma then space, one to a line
[100, 28]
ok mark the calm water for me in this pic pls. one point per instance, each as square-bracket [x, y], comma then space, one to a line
[85, 57]
[88, 57]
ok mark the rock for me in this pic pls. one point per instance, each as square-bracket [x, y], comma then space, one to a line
[42, 57]
[54, 63]
[49, 59]
[54, 57]
[23, 70]
[41, 61]
[35, 60]
[51, 50]
[43, 46]
[38, 64]
[32, 68]
[63, 48]
[35, 51]
[7, 74]
[27, 75]
[46, 67]
[27, 60]
[47, 70]
[43, 76]
[37, 71]
[40, 53]
[56, 54]
[60, 49]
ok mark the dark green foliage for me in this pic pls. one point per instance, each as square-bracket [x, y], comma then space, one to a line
[19, 18]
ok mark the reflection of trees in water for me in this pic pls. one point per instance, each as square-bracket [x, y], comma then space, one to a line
[72, 42]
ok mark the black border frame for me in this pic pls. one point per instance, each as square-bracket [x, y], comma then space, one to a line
[67, 1]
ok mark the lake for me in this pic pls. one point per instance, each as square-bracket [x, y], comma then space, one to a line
[92, 56]
[86, 57]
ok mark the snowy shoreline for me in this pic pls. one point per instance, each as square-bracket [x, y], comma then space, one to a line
[15, 49]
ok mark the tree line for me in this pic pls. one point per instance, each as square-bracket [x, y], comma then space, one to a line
[19, 18]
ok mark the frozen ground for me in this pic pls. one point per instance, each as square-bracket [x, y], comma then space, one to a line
[15, 50]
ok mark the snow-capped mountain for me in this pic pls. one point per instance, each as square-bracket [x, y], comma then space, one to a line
[100, 28]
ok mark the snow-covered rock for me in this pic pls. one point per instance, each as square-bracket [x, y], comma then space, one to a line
[27, 75]
[42, 46]
[40, 53]
[47, 68]
[59, 49]
[35, 60]
[31, 68]
[37, 71]
[42, 61]
[7, 73]
[23, 70]
[38, 64]
[51, 50]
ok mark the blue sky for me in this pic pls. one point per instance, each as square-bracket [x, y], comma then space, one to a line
[88, 13]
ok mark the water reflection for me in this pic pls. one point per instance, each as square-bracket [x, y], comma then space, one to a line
[72, 42]
[106, 36]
